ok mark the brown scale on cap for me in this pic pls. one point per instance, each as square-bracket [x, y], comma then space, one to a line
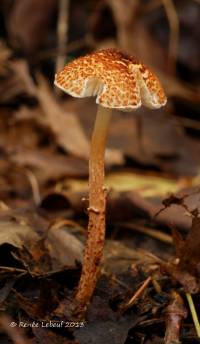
[118, 81]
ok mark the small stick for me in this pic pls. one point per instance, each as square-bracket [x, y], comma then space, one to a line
[34, 185]
[59, 224]
[175, 314]
[11, 269]
[62, 30]
[137, 294]
[187, 122]
[156, 285]
[174, 32]
[194, 313]
[149, 231]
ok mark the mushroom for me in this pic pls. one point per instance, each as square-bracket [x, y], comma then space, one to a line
[119, 82]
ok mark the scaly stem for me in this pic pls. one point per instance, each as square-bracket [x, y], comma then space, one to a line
[97, 204]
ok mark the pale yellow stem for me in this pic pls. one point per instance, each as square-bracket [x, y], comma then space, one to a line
[194, 314]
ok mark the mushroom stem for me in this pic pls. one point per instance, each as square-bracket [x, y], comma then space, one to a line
[97, 204]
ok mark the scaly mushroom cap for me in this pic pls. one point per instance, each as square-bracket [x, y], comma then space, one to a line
[118, 81]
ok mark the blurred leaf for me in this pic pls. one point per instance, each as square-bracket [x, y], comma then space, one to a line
[28, 23]
[65, 126]
[146, 185]
[16, 232]
[49, 165]
[17, 82]
[187, 269]
[64, 246]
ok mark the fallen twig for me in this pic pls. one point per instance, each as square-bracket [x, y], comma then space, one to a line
[136, 295]
[175, 314]
[34, 186]
[174, 32]
[149, 231]
[62, 30]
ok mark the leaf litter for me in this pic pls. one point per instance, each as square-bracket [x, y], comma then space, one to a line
[151, 255]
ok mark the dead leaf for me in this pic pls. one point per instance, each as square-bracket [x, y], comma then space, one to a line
[65, 126]
[16, 233]
[146, 186]
[64, 246]
[185, 268]
[119, 258]
[121, 206]
[21, 69]
[55, 250]
[49, 164]
[39, 307]
[36, 258]
[17, 82]
[178, 208]
[190, 254]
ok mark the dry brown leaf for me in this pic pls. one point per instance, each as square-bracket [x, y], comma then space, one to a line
[56, 249]
[21, 69]
[119, 258]
[121, 206]
[189, 256]
[65, 126]
[185, 268]
[64, 246]
[15, 232]
[17, 81]
[48, 164]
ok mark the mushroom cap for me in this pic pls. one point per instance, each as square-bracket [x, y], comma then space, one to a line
[119, 81]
